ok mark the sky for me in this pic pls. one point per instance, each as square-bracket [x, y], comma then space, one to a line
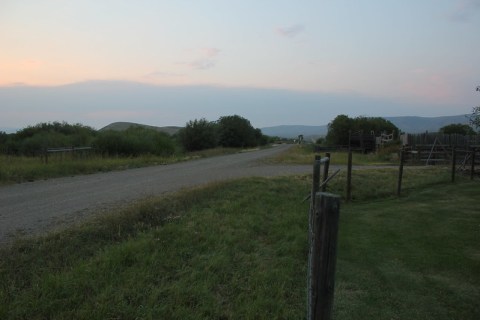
[395, 57]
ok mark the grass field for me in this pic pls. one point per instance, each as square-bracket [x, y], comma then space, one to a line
[15, 169]
[238, 250]
[303, 154]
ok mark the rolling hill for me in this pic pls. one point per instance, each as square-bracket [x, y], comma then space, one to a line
[121, 126]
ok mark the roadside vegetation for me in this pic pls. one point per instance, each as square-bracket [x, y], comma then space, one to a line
[17, 169]
[305, 153]
[238, 250]
[23, 154]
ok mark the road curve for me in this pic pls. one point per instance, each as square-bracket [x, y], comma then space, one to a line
[38, 206]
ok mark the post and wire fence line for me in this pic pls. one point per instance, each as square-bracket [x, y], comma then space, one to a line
[323, 227]
[468, 155]
[322, 234]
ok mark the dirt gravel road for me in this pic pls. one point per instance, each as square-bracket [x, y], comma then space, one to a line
[34, 207]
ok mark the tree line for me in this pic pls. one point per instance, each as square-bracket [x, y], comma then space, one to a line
[228, 131]
[199, 134]
[340, 129]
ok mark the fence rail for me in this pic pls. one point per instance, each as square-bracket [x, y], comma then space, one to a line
[458, 140]
[63, 150]
[67, 149]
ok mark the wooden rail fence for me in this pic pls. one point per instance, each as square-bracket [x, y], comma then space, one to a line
[63, 150]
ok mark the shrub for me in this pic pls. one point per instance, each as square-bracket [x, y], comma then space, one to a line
[134, 141]
[34, 139]
[236, 132]
[198, 135]
[457, 128]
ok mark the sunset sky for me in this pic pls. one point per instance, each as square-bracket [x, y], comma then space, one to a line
[422, 54]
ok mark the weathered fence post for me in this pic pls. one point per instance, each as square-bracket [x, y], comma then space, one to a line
[349, 175]
[316, 176]
[400, 171]
[323, 256]
[315, 189]
[454, 162]
[472, 169]
[326, 167]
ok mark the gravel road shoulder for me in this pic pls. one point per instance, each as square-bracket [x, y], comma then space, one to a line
[32, 208]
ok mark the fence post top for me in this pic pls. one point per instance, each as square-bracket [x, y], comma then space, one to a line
[322, 160]
[327, 194]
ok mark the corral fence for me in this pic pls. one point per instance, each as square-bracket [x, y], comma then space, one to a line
[74, 152]
[435, 148]
[415, 140]
[463, 160]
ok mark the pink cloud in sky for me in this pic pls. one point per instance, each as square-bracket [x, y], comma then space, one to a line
[463, 10]
[210, 52]
[207, 59]
[290, 32]
[163, 74]
[31, 64]
[432, 87]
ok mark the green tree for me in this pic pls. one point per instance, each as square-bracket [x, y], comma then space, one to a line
[3, 142]
[457, 128]
[236, 132]
[342, 125]
[338, 130]
[377, 125]
[475, 117]
[198, 135]
[34, 139]
[260, 138]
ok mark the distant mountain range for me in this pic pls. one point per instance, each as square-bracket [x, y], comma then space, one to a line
[407, 124]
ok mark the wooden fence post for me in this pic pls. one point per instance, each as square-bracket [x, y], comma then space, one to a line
[400, 172]
[349, 175]
[316, 176]
[326, 167]
[315, 189]
[454, 162]
[324, 256]
[472, 169]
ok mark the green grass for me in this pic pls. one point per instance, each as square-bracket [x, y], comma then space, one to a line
[238, 250]
[304, 154]
[413, 258]
[15, 169]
